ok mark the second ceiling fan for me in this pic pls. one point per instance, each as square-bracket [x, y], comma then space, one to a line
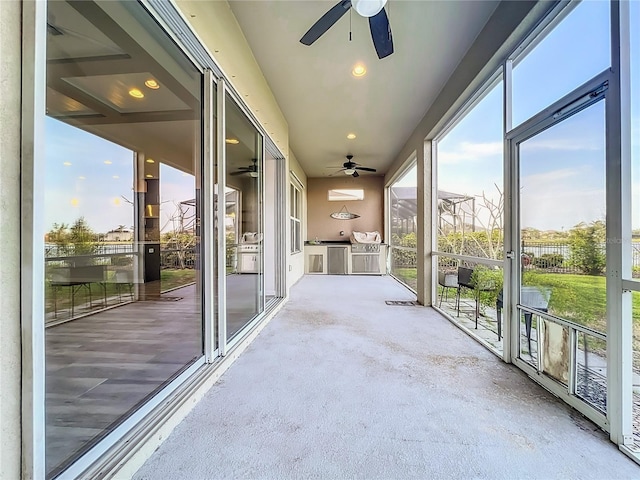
[351, 168]
[378, 23]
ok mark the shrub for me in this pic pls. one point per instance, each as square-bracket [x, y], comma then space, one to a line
[587, 253]
[549, 260]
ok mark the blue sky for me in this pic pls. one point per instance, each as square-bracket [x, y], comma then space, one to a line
[562, 169]
[91, 177]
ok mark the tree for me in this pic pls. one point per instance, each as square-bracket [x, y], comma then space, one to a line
[77, 240]
[181, 238]
[487, 240]
[586, 244]
[59, 236]
[83, 238]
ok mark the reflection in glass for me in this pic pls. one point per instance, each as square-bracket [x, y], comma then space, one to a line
[577, 49]
[404, 228]
[245, 172]
[563, 245]
[470, 197]
[122, 209]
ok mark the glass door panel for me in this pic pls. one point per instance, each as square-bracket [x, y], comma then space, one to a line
[563, 251]
[122, 190]
[244, 220]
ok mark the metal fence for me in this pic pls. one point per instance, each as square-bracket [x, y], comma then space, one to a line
[556, 257]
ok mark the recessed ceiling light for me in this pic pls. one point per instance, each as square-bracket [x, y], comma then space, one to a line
[351, 136]
[232, 141]
[66, 164]
[150, 160]
[116, 176]
[108, 162]
[149, 175]
[358, 70]
[135, 93]
[81, 177]
[152, 84]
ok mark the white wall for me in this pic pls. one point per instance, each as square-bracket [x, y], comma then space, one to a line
[10, 349]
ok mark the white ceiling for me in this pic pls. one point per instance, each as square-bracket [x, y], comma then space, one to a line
[323, 102]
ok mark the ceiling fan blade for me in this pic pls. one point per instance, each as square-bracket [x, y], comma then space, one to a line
[381, 34]
[366, 169]
[326, 22]
[242, 172]
[355, 174]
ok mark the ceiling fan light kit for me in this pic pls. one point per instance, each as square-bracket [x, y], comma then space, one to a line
[368, 8]
[378, 23]
[251, 170]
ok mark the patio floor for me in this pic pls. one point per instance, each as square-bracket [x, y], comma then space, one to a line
[341, 385]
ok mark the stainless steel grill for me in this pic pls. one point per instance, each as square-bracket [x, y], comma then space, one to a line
[365, 248]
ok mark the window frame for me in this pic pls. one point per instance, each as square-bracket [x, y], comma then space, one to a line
[295, 216]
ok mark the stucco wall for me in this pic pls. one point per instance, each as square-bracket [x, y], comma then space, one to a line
[10, 350]
[371, 210]
[218, 29]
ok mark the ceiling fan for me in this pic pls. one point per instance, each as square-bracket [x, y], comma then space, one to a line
[378, 23]
[351, 168]
[251, 170]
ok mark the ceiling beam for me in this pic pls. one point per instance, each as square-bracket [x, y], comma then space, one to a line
[93, 66]
[107, 25]
[137, 117]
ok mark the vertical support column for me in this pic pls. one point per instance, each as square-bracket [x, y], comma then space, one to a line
[618, 191]
[220, 217]
[511, 330]
[207, 239]
[30, 272]
[425, 229]
[147, 227]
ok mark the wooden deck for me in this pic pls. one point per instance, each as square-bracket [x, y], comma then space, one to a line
[103, 366]
[100, 367]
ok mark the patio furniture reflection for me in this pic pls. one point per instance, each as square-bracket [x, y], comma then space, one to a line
[77, 278]
[124, 278]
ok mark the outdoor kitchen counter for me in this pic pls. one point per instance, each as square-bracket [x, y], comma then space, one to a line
[356, 261]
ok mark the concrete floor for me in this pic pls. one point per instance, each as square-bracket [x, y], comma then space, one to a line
[340, 385]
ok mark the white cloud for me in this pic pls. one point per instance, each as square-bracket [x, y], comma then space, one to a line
[560, 199]
[466, 151]
[565, 144]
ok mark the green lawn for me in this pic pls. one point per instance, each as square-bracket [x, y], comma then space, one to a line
[408, 275]
[579, 298]
[170, 279]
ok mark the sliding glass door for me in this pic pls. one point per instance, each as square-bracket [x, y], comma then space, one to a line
[122, 212]
[244, 224]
